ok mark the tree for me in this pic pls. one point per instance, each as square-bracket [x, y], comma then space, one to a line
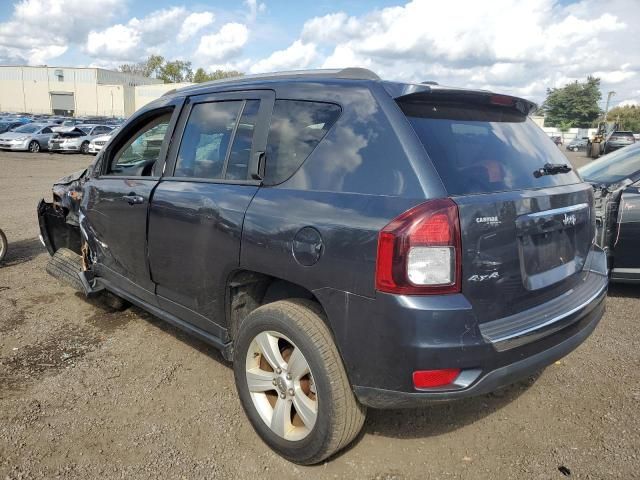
[574, 105]
[175, 72]
[202, 76]
[627, 117]
[149, 68]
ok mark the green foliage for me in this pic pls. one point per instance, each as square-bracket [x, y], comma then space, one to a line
[574, 105]
[202, 76]
[175, 71]
[627, 117]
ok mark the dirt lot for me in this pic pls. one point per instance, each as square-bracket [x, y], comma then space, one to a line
[90, 393]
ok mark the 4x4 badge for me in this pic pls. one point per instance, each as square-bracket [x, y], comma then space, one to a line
[482, 278]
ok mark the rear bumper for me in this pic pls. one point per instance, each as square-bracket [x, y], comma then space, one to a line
[384, 340]
[64, 148]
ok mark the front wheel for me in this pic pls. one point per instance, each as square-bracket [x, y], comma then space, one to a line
[292, 383]
[84, 148]
[34, 147]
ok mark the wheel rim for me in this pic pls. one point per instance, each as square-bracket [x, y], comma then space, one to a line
[84, 148]
[281, 386]
[34, 147]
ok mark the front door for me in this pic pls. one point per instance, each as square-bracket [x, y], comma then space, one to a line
[197, 210]
[116, 201]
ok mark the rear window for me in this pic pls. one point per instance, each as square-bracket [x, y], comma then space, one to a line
[481, 149]
[623, 134]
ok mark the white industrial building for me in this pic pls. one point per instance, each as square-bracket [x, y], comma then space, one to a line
[69, 91]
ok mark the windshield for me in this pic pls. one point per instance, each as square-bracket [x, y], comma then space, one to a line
[27, 129]
[482, 149]
[614, 167]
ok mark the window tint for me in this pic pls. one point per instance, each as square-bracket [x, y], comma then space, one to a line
[139, 154]
[240, 154]
[296, 128]
[206, 139]
[482, 150]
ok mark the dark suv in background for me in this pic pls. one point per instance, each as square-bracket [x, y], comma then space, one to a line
[345, 241]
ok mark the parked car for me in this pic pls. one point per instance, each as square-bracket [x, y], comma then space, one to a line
[577, 144]
[33, 137]
[67, 124]
[7, 125]
[77, 139]
[345, 241]
[618, 139]
[97, 143]
[616, 183]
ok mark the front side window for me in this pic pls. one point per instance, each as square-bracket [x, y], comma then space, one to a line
[217, 140]
[296, 129]
[138, 155]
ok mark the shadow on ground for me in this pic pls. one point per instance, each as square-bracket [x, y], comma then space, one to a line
[22, 251]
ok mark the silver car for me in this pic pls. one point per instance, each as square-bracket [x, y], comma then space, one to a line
[33, 137]
[77, 139]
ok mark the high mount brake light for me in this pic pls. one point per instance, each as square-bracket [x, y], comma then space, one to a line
[419, 251]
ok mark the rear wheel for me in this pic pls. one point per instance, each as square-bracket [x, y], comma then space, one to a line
[34, 147]
[84, 148]
[292, 383]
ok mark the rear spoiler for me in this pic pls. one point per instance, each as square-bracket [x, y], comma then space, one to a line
[419, 93]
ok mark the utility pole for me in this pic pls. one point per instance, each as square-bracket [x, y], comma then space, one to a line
[606, 108]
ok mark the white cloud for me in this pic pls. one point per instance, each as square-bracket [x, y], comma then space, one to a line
[629, 103]
[297, 56]
[220, 46]
[137, 38]
[40, 30]
[525, 48]
[193, 24]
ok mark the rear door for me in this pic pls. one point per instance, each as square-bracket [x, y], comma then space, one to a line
[116, 201]
[525, 233]
[198, 209]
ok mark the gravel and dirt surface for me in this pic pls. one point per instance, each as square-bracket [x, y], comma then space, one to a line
[88, 393]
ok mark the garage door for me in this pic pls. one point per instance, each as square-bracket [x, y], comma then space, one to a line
[62, 102]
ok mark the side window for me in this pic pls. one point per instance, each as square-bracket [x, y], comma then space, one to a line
[217, 140]
[46, 130]
[296, 128]
[138, 155]
[238, 165]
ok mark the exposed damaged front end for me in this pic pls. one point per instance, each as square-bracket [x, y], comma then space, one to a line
[59, 219]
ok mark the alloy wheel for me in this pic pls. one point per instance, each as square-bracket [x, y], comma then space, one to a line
[34, 147]
[281, 385]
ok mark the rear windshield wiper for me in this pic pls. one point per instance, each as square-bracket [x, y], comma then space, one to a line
[552, 169]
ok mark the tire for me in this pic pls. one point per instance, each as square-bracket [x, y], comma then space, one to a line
[84, 148]
[34, 146]
[4, 245]
[334, 415]
[575, 149]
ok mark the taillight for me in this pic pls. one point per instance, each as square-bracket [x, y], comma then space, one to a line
[419, 251]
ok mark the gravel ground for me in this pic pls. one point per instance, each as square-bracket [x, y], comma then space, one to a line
[90, 393]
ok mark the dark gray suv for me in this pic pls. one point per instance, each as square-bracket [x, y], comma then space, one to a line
[345, 241]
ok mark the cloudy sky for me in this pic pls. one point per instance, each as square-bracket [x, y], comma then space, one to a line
[513, 46]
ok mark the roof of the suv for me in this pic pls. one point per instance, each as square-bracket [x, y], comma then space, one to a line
[394, 89]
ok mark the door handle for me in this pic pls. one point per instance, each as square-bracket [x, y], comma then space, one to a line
[133, 199]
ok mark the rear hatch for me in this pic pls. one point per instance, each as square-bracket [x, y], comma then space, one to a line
[526, 221]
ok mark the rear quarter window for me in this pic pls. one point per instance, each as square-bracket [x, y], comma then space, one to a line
[296, 129]
[479, 149]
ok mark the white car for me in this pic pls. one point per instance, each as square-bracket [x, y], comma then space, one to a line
[98, 142]
[78, 138]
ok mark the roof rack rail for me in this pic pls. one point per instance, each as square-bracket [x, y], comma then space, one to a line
[352, 73]
[430, 82]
